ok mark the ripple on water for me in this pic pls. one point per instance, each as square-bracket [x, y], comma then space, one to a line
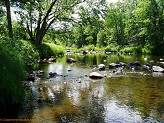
[122, 114]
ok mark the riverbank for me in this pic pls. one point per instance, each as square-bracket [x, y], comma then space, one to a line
[18, 58]
[118, 49]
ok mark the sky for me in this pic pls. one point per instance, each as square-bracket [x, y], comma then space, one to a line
[111, 1]
[15, 18]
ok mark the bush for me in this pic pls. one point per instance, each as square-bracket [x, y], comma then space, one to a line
[15, 58]
[12, 74]
[87, 48]
[28, 52]
[127, 50]
[137, 50]
[111, 49]
[46, 50]
[78, 50]
[90, 47]
[25, 49]
[134, 50]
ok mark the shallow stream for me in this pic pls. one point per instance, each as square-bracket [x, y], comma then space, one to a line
[132, 96]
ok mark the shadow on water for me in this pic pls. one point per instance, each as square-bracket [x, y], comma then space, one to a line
[128, 97]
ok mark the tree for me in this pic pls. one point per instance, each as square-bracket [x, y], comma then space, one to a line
[7, 5]
[40, 15]
[101, 38]
[90, 22]
[114, 22]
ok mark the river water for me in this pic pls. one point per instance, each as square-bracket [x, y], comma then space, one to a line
[132, 96]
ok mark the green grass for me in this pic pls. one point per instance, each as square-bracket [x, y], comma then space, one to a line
[12, 74]
[16, 58]
[46, 50]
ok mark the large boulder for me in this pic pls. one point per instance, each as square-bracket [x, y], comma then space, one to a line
[157, 69]
[122, 64]
[95, 75]
[53, 74]
[31, 77]
[134, 65]
[101, 67]
[52, 59]
[147, 67]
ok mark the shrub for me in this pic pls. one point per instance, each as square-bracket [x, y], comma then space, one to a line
[137, 50]
[28, 52]
[134, 50]
[79, 50]
[25, 49]
[12, 74]
[90, 47]
[46, 50]
[15, 58]
[127, 50]
[111, 49]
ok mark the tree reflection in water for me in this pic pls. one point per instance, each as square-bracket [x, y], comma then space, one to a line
[125, 99]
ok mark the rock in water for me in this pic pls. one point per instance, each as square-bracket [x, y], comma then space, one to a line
[157, 69]
[113, 65]
[70, 60]
[101, 67]
[95, 75]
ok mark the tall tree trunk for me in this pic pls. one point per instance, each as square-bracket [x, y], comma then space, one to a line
[7, 4]
[42, 29]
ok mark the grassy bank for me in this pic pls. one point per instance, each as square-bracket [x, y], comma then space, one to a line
[119, 49]
[46, 50]
[16, 57]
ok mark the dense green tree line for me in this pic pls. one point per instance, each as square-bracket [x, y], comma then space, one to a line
[131, 23]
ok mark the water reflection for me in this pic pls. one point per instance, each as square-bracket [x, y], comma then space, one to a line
[130, 97]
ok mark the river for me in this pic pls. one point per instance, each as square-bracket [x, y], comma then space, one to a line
[132, 96]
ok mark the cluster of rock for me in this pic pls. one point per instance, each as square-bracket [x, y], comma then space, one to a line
[115, 67]
[119, 67]
[49, 60]
[34, 75]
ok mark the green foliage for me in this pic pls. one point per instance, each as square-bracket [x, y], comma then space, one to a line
[12, 74]
[111, 48]
[134, 50]
[101, 38]
[16, 58]
[127, 50]
[87, 48]
[90, 47]
[46, 50]
[146, 51]
[78, 50]
[25, 49]
[28, 52]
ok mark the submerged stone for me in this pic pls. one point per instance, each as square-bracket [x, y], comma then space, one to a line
[95, 75]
